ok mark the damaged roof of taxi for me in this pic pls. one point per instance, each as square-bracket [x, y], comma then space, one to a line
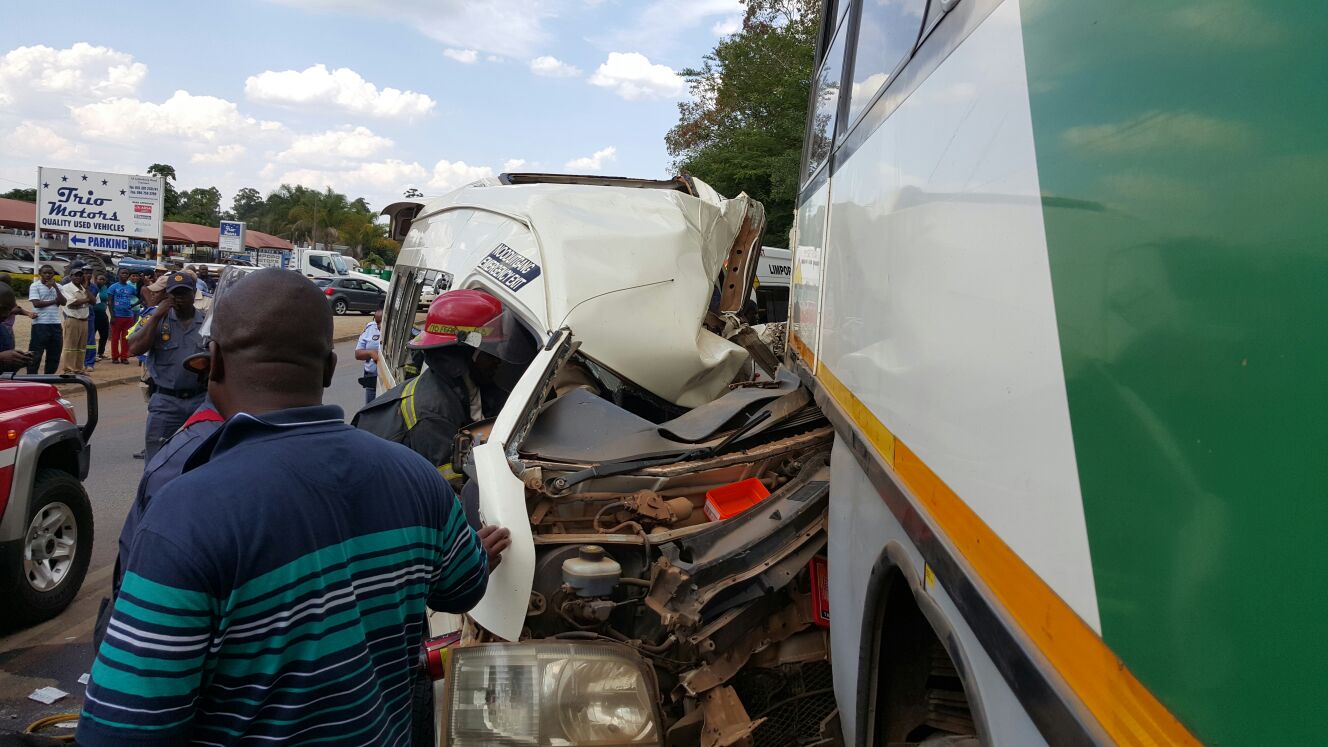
[630, 267]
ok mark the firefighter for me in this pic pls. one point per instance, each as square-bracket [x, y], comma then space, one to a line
[474, 351]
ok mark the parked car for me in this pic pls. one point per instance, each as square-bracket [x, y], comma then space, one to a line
[351, 294]
[435, 282]
[136, 264]
[45, 517]
[17, 260]
[373, 280]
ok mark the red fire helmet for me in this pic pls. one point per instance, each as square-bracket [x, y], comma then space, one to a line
[464, 316]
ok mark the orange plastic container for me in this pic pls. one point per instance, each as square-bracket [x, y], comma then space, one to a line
[731, 500]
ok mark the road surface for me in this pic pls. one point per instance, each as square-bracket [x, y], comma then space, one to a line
[58, 651]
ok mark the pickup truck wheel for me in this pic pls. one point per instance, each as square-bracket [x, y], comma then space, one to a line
[57, 546]
[339, 307]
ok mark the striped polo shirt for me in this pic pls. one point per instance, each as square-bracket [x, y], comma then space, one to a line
[275, 592]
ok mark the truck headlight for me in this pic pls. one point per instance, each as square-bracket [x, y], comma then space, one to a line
[547, 693]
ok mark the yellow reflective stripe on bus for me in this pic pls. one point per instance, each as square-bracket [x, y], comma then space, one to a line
[1125, 709]
[802, 350]
[408, 404]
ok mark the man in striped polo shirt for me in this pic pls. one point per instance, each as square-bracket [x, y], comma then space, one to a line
[275, 591]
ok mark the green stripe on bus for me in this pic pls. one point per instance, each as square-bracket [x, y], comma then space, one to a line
[1182, 152]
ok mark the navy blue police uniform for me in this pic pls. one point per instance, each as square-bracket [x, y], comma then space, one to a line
[176, 393]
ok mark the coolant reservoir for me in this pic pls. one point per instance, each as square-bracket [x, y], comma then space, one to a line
[592, 573]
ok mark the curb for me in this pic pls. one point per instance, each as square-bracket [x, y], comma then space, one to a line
[134, 378]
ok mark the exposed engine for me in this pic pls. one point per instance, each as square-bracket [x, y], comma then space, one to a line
[631, 549]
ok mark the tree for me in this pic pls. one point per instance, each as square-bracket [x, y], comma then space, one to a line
[24, 193]
[743, 129]
[316, 215]
[171, 200]
[201, 205]
[247, 204]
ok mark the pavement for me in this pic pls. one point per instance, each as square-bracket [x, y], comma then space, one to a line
[57, 652]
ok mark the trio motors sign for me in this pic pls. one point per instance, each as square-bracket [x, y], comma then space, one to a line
[92, 202]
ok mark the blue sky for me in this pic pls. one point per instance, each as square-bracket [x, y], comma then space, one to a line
[345, 93]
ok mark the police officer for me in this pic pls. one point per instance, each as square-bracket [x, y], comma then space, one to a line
[366, 350]
[167, 337]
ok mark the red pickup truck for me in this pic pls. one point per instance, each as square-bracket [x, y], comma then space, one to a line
[45, 515]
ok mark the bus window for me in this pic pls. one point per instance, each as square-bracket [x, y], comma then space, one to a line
[821, 129]
[841, 8]
[887, 30]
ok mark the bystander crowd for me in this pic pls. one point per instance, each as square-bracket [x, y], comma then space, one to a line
[46, 339]
[101, 323]
[121, 300]
[76, 310]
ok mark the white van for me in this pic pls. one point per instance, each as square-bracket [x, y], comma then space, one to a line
[633, 413]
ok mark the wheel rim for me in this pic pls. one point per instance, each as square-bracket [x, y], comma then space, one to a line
[341, 307]
[50, 547]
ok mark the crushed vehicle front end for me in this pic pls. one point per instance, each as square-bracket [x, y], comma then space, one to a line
[633, 608]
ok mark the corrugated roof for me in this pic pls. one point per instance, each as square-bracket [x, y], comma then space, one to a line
[21, 214]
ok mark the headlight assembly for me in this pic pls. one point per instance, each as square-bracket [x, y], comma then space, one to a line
[550, 694]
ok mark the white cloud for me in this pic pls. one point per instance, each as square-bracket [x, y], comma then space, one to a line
[37, 141]
[494, 58]
[223, 154]
[464, 56]
[335, 146]
[632, 76]
[381, 179]
[552, 67]
[511, 27]
[380, 176]
[659, 24]
[448, 175]
[341, 88]
[184, 115]
[727, 26]
[1232, 22]
[594, 162]
[83, 71]
[1160, 131]
[513, 164]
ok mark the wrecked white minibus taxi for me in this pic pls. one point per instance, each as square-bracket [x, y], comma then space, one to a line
[665, 480]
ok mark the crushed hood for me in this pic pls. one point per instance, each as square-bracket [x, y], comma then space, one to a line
[631, 271]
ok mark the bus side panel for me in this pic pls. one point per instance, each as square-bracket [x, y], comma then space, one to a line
[937, 308]
[863, 527]
[1183, 152]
